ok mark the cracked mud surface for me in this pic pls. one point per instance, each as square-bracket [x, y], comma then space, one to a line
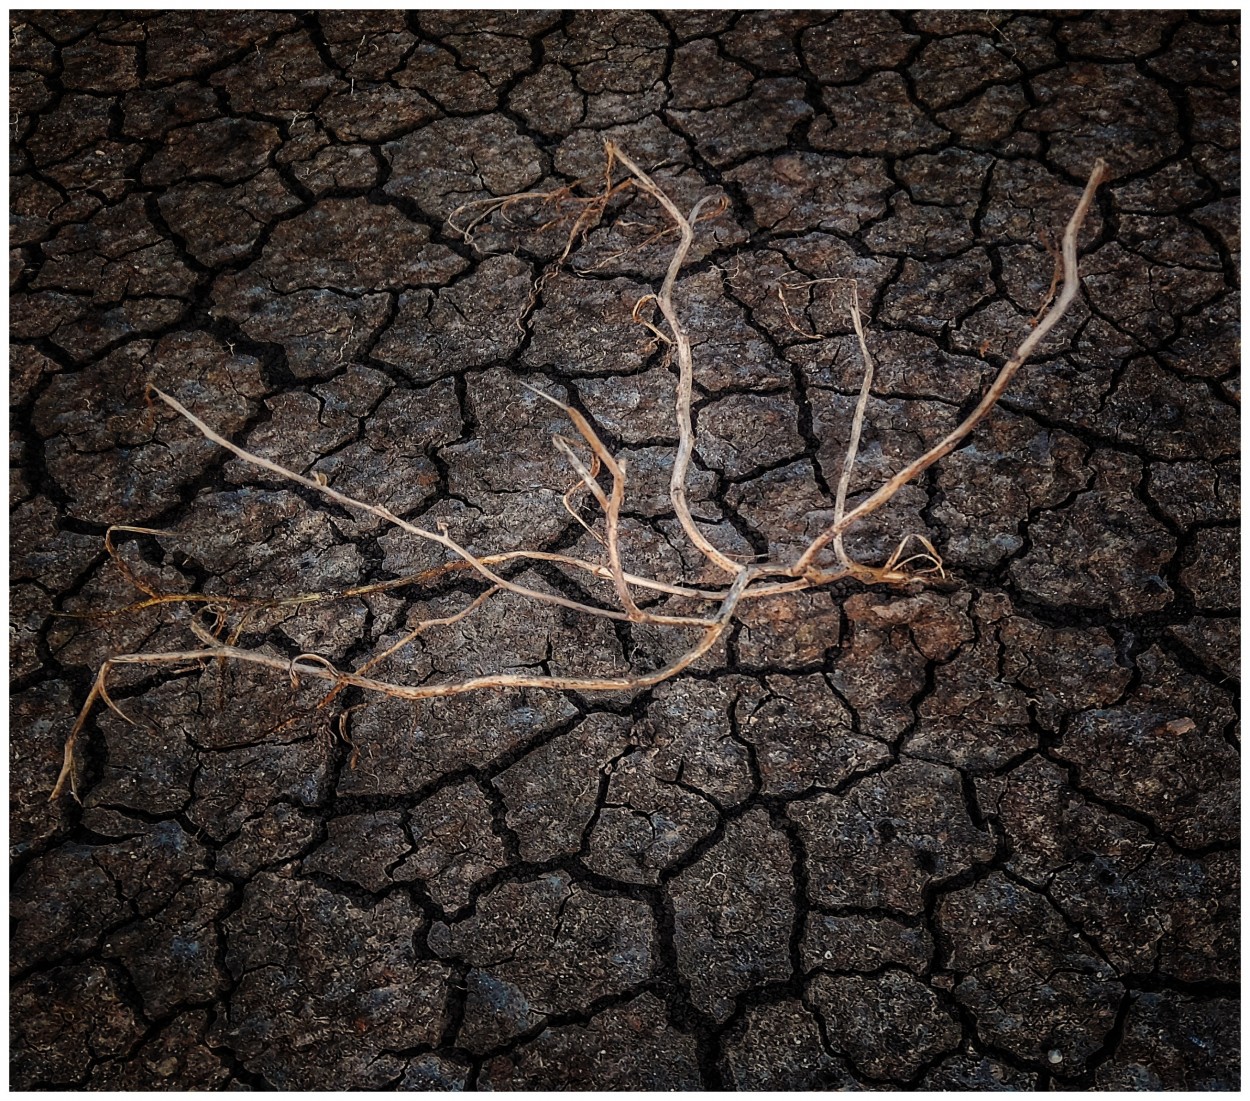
[977, 834]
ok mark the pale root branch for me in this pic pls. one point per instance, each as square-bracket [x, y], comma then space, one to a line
[1071, 284]
[769, 578]
[857, 426]
[685, 361]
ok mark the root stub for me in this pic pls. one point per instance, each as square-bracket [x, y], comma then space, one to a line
[823, 561]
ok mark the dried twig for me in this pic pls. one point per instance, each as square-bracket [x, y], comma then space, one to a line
[747, 581]
[857, 425]
[685, 361]
[1071, 284]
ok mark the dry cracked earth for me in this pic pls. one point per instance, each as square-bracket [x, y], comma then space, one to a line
[979, 832]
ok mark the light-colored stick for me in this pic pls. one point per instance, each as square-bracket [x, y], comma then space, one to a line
[1071, 284]
[439, 537]
[685, 362]
[802, 574]
[321, 669]
[611, 505]
[857, 424]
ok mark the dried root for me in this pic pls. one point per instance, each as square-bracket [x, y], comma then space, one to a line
[744, 581]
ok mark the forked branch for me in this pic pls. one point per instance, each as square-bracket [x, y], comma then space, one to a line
[747, 582]
[1071, 284]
